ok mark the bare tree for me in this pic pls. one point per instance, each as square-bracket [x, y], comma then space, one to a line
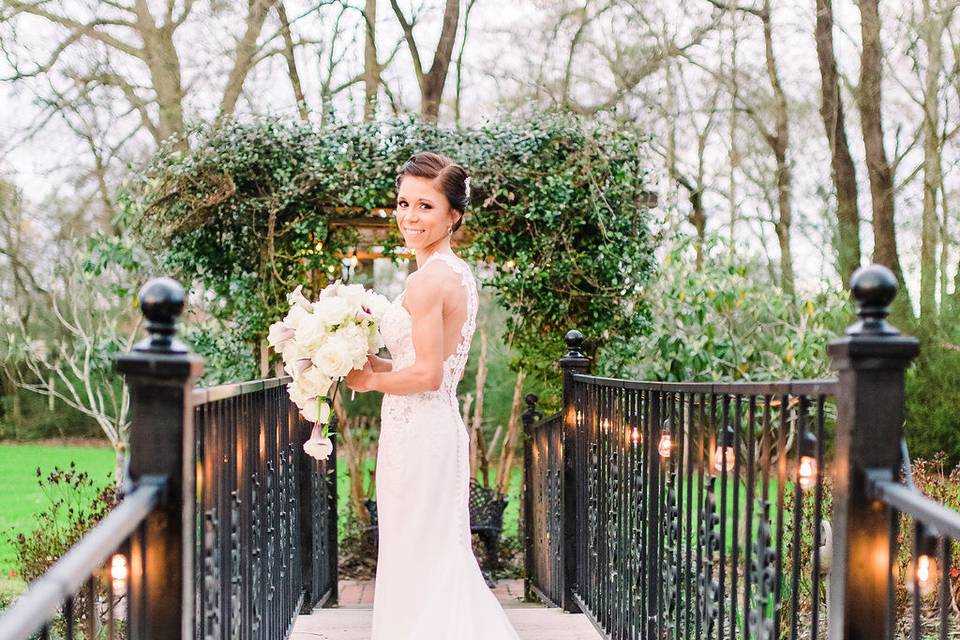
[777, 138]
[135, 54]
[843, 173]
[432, 81]
[933, 25]
[869, 100]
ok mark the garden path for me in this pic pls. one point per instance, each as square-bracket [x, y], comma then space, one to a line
[351, 620]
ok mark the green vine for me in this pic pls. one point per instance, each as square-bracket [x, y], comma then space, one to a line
[559, 210]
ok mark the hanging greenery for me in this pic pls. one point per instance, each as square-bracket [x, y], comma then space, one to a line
[559, 206]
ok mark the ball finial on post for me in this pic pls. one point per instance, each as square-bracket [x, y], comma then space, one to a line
[574, 343]
[161, 301]
[873, 287]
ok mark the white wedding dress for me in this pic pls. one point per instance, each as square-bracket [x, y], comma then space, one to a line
[428, 584]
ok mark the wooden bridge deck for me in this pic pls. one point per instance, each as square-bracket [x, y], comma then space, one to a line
[351, 620]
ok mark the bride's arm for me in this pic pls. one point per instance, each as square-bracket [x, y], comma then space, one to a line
[379, 364]
[426, 313]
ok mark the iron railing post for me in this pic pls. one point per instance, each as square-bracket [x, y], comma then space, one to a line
[159, 372]
[870, 359]
[573, 361]
[530, 414]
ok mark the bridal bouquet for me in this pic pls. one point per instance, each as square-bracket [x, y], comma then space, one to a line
[321, 342]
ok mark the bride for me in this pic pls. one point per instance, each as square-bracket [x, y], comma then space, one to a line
[428, 585]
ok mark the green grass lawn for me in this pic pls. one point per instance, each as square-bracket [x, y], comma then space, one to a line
[21, 498]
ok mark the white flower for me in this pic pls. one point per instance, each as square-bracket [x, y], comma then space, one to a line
[318, 446]
[354, 294]
[331, 290]
[333, 310]
[297, 315]
[293, 351]
[296, 395]
[296, 299]
[333, 359]
[279, 335]
[376, 303]
[313, 382]
[312, 332]
[354, 338]
[374, 339]
[316, 411]
[296, 367]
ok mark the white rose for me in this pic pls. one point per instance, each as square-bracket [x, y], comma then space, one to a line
[296, 395]
[312, 332]
[314, 383]
[317, 411]
[354, 338]
[354, 294]
[333, 359]
[296, 298]
[296, 315]
[332, 310]
[331, 290]
[279, 335]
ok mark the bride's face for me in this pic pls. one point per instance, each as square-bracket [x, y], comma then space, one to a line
[423, 212]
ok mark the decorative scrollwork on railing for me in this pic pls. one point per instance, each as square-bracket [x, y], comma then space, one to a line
[236, 579]
[613, 535]
[211, 576]
[669, 570]
[763, 574]
[592, 502]
[708, 587]
[255, 551]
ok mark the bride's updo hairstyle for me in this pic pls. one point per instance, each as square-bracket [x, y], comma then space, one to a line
[450, 178]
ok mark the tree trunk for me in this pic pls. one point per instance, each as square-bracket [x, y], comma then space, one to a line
[844, 172]
[371, 67]
[476, 428]
[163, 62]
[781, 145]
[510, 438]
[431, 82]
[288, 55]
[869, 100]
[245, 53]
[932, 33]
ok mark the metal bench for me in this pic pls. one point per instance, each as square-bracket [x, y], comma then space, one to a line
[486, 520]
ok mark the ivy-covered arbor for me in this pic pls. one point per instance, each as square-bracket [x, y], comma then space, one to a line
[559, 205]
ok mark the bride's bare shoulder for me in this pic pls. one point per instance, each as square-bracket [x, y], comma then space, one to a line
[433, 280]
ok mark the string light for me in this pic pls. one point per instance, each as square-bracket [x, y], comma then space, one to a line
[807, 465]
[923, 572]
[725, 456]
[635, 436]
[119, 573]
[666, 440]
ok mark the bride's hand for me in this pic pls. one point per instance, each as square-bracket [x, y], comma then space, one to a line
[360, 379]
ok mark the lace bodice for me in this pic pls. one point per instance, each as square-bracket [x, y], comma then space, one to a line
[397, 334]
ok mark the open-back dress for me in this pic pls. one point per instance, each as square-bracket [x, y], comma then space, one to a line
[428, 584]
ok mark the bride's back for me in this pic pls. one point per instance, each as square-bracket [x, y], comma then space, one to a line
[450, 293]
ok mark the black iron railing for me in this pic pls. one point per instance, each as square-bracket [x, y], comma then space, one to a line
[682, 510]
[227, 529]
[266, 545]
[542, 505]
